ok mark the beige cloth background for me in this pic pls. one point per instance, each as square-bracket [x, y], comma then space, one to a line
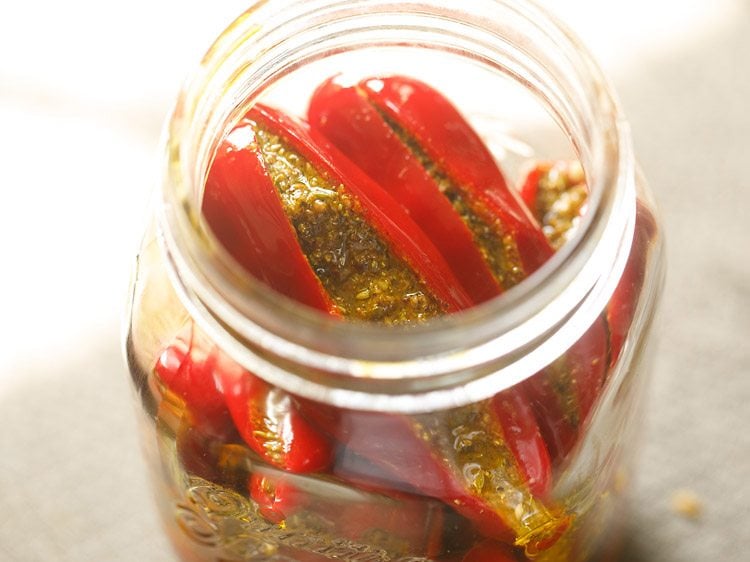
[84, 87]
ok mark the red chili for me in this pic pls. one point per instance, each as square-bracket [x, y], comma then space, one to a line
[241, 205]
[522, 435]
[564, 393]
[187, 369]
[368, 123]
[277, 498]
[220, 396]
[268, 421]
[530, 186]
[244, 210]
[557, 194]
[622, 305]
[414, 455]
[451, 141]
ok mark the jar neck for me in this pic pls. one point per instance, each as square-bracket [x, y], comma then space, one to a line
[457, 359]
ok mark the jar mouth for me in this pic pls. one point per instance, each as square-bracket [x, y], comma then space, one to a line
[455, 359]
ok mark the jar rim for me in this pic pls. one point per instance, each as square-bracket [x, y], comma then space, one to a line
[457, 359]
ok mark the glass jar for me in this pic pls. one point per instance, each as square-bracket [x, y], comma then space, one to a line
[503, 431]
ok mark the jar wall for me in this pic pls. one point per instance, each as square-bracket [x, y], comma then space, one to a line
[249, 463]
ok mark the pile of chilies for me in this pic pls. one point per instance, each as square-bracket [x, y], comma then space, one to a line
[395, 159]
